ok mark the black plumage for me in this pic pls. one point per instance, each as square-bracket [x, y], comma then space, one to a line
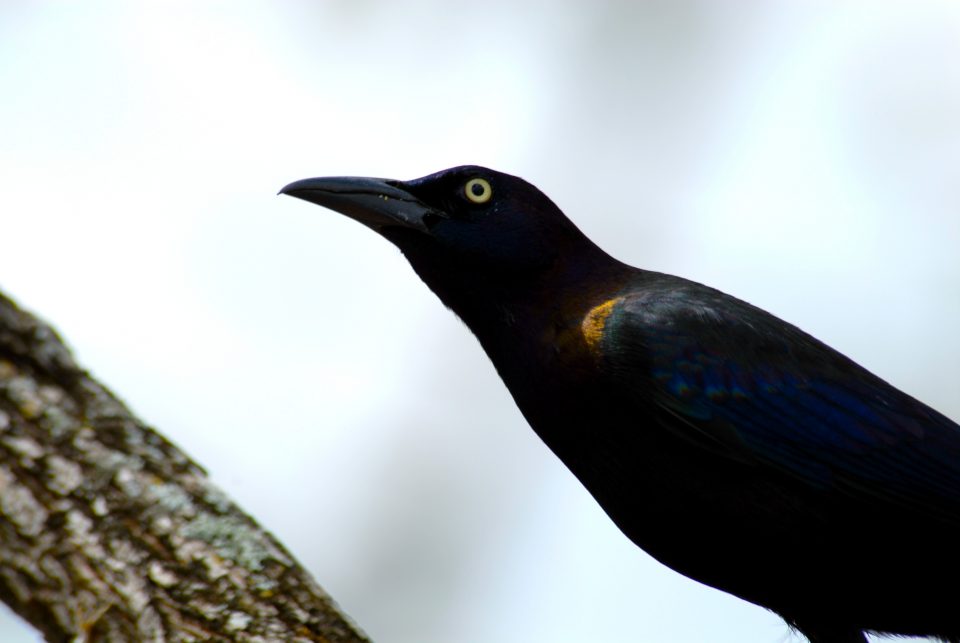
[730, 445]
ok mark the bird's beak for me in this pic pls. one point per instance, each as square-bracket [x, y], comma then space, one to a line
[376, 203]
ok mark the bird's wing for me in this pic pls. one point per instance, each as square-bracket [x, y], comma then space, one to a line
[736, 380]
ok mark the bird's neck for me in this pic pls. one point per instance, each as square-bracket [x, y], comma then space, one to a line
[536, 341]
[524, 322]
[481, 297]
[532, 330]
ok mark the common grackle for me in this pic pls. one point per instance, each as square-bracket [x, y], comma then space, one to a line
[730, 445]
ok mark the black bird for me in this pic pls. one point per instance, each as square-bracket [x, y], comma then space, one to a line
[730, 445]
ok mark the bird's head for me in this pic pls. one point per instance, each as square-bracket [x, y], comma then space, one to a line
[467, 231]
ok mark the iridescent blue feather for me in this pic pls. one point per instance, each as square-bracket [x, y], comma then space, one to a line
[782, 399]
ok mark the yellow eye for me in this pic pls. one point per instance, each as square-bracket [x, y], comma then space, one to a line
[478, 190]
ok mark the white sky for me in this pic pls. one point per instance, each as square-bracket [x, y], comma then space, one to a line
[803, 156]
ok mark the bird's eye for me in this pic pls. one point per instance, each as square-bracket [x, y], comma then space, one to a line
[478, 190]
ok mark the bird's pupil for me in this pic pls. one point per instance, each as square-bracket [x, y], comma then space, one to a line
[477, 189]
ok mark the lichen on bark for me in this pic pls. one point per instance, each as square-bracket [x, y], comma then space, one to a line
[108, 532]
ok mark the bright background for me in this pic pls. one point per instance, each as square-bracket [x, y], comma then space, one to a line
[804, 156]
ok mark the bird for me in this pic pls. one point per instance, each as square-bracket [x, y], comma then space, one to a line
[728, 444]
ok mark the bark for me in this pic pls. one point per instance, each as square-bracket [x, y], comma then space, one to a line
[108, 532]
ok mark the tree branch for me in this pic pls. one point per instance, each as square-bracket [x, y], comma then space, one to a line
[110, 533]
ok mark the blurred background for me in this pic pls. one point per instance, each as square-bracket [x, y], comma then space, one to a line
[803, 156]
